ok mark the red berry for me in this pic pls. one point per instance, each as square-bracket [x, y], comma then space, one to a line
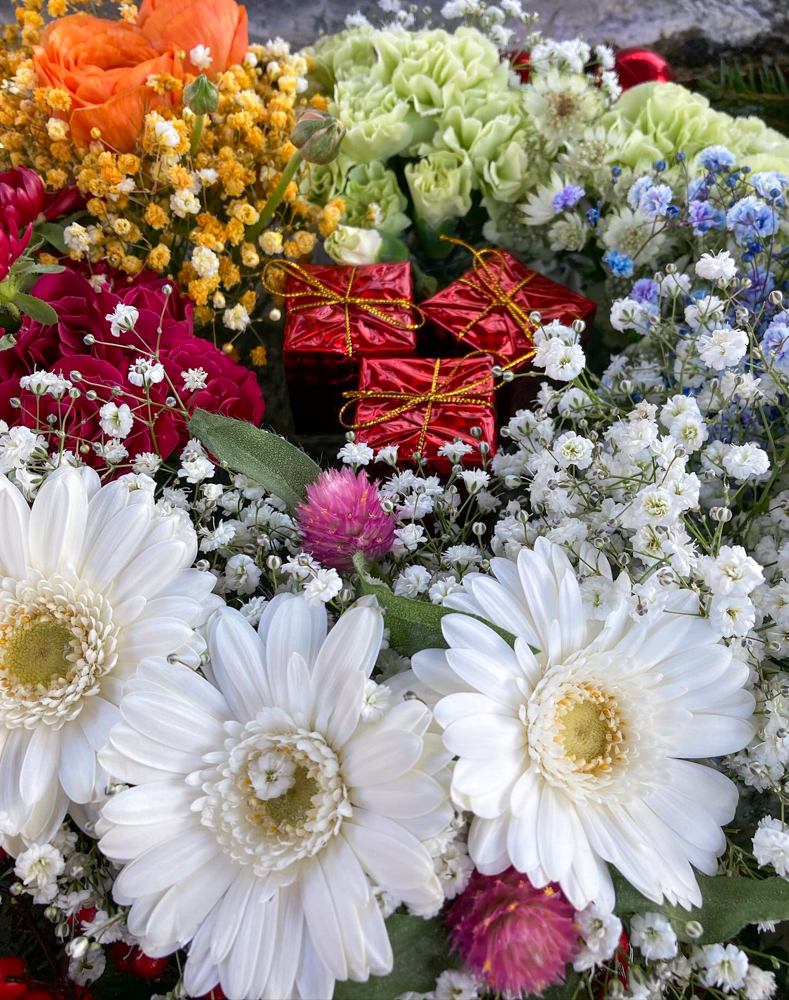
[14, 978]
[146, 967]
[123, 955]
[85, 915]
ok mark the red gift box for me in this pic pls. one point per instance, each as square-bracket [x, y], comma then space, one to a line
[488, 308]
[337, 315]
[420, 404]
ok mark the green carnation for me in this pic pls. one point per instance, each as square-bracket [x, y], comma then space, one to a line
[660, 119]
[378, 122]
[440, 186]
[500, 159]
[373, 199]
[342, 56]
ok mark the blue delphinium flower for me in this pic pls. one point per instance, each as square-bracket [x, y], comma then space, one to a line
[621, 265]
[770, 184]
[645, 290]
[699, 189]
[567, 198]
[637, 190]
[750, 218]
[775, 343]
[703, 216]
[655, 201]
[717, 158]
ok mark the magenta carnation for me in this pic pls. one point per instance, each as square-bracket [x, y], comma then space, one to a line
[225, 387]
[514, 936]
[343, 516]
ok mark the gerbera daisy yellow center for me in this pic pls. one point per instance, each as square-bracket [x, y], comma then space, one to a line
[293, 807]
[585, 732]
[38, 652]
[590, 730]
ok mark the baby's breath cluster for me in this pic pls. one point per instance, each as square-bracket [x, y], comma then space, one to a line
[185, 199]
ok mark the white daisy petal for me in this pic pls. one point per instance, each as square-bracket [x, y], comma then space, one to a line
[571, 755]
[265, 805]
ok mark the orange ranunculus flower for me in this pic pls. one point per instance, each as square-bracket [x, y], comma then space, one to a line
[103, 65]
[221, 25]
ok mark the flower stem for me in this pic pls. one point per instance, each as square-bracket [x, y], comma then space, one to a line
[197, 131]
[277, 194]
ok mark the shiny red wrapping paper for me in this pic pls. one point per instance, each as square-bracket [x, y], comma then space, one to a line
[338, 315]
[487, 309]
[420, 404]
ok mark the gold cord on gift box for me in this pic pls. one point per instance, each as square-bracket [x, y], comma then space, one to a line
[322, 295]
[411, 400]
[488, 283]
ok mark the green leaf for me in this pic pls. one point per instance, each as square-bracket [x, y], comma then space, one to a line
[40, 311]
[430, 237]
[53, 234]
[421, 954]
[568, 990]
[728, 904]
[392, 251]
[413, 625]
[265, 458]
[7, 341]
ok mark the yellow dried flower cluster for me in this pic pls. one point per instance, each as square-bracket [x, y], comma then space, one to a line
[160, 207]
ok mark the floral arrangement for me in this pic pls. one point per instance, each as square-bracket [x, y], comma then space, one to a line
[462, 713]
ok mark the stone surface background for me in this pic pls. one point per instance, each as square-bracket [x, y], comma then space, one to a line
[690, 32]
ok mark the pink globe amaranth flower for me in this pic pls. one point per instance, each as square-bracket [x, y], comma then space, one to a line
[343, 516]
[516, 937]
[12, 246]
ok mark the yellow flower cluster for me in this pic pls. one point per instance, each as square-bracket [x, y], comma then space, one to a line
[183, 215]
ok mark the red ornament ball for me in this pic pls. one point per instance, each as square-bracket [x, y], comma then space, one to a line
[39, 993]
[123, 955]
[636, 65]
[14, 978]
[145, 967]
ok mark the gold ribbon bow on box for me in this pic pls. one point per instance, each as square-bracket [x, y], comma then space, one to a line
[488, 282]
[411, 400]
[322, 295]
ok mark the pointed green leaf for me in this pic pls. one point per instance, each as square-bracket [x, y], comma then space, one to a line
[728, 904]
[53, 234]
[40, 311]
[265, 458]
[413, 625]
[421, 954]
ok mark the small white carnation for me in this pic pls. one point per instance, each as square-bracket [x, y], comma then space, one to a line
[654, 935]
[205, 262]
[323, 587]
[771, 845]
[122, 318]
[414, 580]
[194, 379]
[241, 574]
[200, 56]
[743, 461]
[712, 267]
[355, 453]
[146, 463]
[116, 421]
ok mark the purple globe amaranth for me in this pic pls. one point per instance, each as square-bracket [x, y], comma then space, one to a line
[342, 516]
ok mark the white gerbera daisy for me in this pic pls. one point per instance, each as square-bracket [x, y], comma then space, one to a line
[571, 745]
[93, 580]
[266, 811]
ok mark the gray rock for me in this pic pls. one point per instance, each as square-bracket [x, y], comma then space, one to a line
[687, 31]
